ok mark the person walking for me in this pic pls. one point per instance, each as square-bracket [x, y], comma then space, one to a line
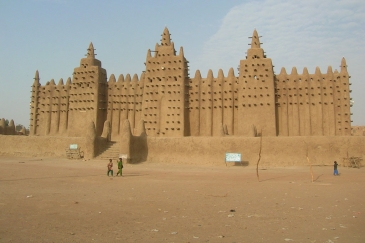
[335, 171]
[120, 167]
[110, 167]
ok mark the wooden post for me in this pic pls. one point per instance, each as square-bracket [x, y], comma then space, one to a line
[258, 161]
[310, 165]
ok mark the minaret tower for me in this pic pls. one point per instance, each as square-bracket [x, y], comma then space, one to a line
[256, 94]
[343, 101]
[34, 105]
[165, 95]
[88, 96]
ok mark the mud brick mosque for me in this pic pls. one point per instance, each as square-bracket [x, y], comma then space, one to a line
[173, 104]
[168, 115]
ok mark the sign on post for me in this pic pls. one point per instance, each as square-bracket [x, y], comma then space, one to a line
[233, 157]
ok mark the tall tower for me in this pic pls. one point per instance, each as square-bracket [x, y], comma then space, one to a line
[165, 93]
[256, 94]
[88, 96]
[342, 94]
[34, 105]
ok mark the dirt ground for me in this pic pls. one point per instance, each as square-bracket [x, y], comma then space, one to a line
[59, 200]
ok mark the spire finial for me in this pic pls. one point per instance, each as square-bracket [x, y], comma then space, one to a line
[60, 82]
[165, 40]
[210, 75]
[181, 53]
[305, 71]
[255, 41]
[317, 71]
[231, 72]
[283, 71]
[90, 51]
[294, 71]
[36, 79]
[121, 79]
[135, 78]
[197, 74]
[36, 76]
[343, 69]
[111, 79]
[343, 63]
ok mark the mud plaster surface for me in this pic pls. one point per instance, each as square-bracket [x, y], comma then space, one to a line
[59, 200]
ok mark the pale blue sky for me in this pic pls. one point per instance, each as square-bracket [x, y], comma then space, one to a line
[52, 36]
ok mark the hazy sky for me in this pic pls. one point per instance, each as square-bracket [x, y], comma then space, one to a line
[52, 36]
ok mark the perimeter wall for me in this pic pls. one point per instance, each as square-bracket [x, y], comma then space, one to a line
[276, 151]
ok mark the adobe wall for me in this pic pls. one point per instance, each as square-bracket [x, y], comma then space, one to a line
[276, 151]
[49, 107]
[42, 146]
[124, 102]
[313, 104]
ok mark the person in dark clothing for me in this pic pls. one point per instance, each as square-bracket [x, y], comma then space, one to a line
[335, 171]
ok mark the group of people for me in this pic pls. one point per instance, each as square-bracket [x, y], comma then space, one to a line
[110, 167]
[120, 167]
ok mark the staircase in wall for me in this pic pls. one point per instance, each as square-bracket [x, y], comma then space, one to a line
[110, 151]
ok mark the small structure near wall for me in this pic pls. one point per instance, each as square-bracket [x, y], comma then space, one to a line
[353, 162]
[73, 152]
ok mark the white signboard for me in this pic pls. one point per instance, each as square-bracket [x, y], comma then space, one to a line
[233, 157]
[73, 146]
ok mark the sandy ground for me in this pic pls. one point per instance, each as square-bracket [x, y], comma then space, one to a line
[58, 200]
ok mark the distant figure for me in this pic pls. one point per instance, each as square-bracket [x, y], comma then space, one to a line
[110, 167]
[120, 167]
[335, 171]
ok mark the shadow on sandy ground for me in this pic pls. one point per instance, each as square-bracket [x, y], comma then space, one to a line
[63, 177]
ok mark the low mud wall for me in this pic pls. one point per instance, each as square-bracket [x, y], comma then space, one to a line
[41, 146]
[276, 151]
